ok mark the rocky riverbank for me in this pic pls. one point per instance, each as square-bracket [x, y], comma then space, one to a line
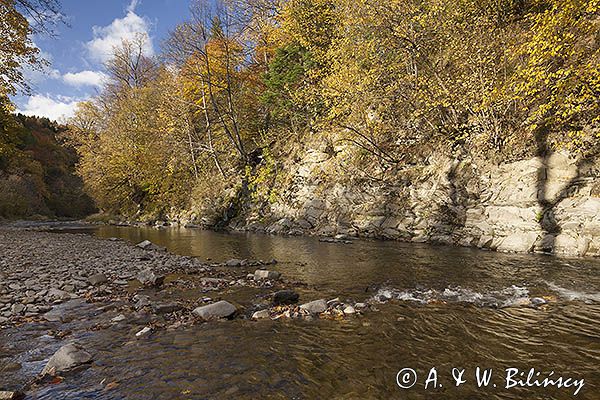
[65, 286]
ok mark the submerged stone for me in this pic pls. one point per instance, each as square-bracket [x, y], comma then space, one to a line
[67, 358]
[284, 297]
[264, 274]
[315, 307]
[220, 309]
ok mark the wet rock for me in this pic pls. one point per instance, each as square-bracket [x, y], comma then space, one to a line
[265, 274]
[166, 308]
[538, 301]
[146, 331]
[141, 301]
[315, 307]
[97, 279]
[144, 245]
[235, 263]
[334, 302]
[149, 278]
[53, 316]
[220, 309]
[68, 358]
[262, 314]
[349, 310]
[119, 318]
[11, 366]
[11, 395]
[284, 297]
[57, 294]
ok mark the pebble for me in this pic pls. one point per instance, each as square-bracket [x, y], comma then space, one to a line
[119, 318]
[96, 279]
[262, 314]
[349, 310]
[146, 331]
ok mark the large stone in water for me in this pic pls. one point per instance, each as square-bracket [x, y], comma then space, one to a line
[144, 245]
[264, 274]
[220, 309]
[315, 307]
[284, 297]
[67, 358]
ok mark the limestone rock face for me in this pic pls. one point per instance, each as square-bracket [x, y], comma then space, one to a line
[543, 204]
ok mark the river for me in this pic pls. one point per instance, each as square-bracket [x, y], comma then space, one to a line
[435, 307]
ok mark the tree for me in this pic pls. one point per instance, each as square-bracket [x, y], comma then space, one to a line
[557, 77]
[129, 67]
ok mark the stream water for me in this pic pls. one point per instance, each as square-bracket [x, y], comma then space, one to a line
[437, 306]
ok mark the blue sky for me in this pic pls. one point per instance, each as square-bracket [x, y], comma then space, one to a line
[78, 53]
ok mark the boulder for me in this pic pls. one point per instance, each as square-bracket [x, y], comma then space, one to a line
[349, 310]
[220, 309]
[284, 297]
[520, 242]
[264, 274]
[315, 307]
[67, 358]
[235, 263]
[262, 314]
[97, 279]
[149, 278]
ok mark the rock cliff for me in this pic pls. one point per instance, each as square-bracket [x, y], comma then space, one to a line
[548, 204]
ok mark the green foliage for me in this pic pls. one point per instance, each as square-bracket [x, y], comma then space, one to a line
[283, 81]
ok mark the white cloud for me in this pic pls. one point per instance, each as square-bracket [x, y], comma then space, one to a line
[107, 37]
[59, 109]
[85, 78]
[132, 6]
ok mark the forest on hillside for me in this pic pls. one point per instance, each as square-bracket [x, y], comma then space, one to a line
[242, 86]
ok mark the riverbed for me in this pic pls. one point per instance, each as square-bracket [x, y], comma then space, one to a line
[429, 306]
